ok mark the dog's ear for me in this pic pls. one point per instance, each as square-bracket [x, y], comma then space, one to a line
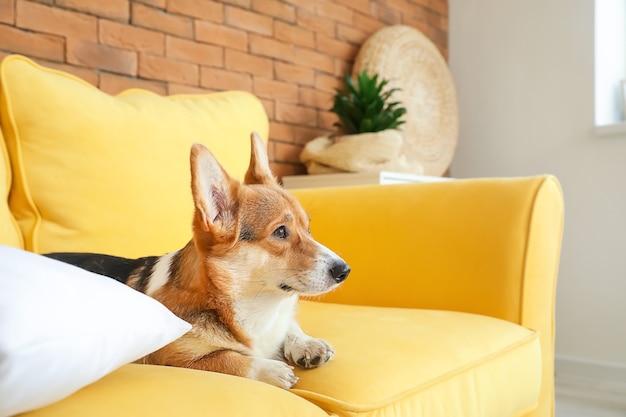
[259, 170]
[213, 191]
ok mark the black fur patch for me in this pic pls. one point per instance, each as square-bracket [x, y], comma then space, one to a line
[175, 265]
[111, 266]
[120, 269]
[144, 272]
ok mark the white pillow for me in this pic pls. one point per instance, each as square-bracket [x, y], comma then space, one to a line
[62, 328]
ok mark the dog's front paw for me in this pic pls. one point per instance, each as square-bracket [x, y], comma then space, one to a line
[273, 372]
[308, 352]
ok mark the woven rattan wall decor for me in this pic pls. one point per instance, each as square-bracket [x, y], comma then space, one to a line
[411, 62]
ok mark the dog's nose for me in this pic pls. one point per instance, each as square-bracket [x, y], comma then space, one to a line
[340, 271]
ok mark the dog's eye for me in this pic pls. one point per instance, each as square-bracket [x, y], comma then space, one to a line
[281, 233]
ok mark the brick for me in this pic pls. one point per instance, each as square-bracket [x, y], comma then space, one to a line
[313, 97]
[438, 36]
[327, 119]
[388, 15]
[439, 6]
[221, 35]
[244, 62]
[422, 26]
[327, 83]
[278, 90]
[206, 10]
[367, 23]
[342, 67]
[36, 45]
[296, 114]
[7, 11]
[437, 20]
[282, 131]
[160, 4]
[244, 4]
[225, 80]
[164, 69]
[304, 134]
[273, 48]
[295, 134]
[248, 20]
[294, 34]
[124, 36]
[87, 74]
[40, 18]
[282, 169]
[152, 18]
[331, 10]
[114, 84]
[419, 17]
[275, 9]
[314, 59]
[309, 20]
[307, 5]
[294, 74]
[286, 152]
[174, 88]
[351, 34]
[93, 55]
[363, 6]
[111, 9]
[197, 53]
[400, 6]
[338, 49]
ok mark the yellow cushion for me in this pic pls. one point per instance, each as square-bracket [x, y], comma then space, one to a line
[145, 390]
[9, 231]
[392, 361]
[93, 172]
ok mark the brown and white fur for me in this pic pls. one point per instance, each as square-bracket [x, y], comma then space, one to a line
[238, 280]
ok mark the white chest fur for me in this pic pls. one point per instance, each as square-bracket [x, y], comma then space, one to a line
[265, 319]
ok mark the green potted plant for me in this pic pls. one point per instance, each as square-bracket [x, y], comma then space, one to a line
[366, 106]
[369, 139]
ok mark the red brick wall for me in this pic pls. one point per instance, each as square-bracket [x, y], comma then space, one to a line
[290, 53]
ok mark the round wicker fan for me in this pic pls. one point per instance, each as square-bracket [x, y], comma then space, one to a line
[411, 62]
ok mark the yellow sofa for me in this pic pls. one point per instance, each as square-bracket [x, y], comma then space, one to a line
[449, 310]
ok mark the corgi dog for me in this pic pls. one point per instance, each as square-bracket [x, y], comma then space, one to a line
[238, 280]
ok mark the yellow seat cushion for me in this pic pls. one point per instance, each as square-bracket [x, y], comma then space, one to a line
[388, 362]
[9, 231]
[110, 174]
[392, 361]
[146, 390]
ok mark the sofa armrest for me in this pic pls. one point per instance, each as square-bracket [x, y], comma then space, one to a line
[486, 246]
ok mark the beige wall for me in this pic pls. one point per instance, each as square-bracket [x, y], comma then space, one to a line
[524, 72]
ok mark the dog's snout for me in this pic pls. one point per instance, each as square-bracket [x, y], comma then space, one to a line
[340, 271]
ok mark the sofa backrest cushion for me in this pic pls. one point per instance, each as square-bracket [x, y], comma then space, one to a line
[9, 231]
[110, 174]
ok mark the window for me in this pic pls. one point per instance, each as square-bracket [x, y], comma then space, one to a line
[610, 64]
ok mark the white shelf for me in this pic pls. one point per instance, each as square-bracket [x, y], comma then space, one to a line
[359, 178]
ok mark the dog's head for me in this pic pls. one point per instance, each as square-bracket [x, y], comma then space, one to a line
[255, 234]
